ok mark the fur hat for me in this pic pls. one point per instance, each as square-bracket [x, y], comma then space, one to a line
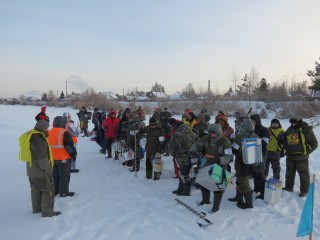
[41, 124]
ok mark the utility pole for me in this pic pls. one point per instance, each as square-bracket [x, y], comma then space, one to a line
[209, 87]
[66, 88]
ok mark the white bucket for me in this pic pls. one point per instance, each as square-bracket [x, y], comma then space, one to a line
[157, 165]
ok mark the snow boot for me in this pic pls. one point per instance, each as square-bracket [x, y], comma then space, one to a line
[156, 175]
[52, 214]
[237, 198]
[186, 190]
[216, 203]
[248, 201]
[180, 188]
[116, 155]
[69, 194]
[205, 196]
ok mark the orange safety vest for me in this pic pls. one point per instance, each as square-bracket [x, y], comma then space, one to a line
[55, 140]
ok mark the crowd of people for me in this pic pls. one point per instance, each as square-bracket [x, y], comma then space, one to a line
[194, 142]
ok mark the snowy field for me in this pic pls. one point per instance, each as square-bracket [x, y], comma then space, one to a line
[111, 203]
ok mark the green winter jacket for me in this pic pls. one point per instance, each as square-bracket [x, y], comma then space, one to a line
[217, 150]
[40, 153]
[181, 142]
[153, 144]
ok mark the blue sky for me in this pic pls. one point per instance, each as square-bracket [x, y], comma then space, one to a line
[116, 45]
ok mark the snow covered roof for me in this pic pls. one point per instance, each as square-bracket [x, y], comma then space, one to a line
[109, 95]
[156, 95]
[176, 95]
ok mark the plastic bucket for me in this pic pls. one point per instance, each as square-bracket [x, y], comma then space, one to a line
[157, 165]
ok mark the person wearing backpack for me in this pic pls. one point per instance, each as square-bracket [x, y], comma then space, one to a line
[35, 150]
[274, 149]
[299, 142]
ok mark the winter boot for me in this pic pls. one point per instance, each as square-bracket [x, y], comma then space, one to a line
[52, 214]
[237, 198]
[156, 175]
[205, 196]
[116, 155]
[180, 188]
[248, 201]
[216, 203]
[261, 189]
[186, 190]
[69, 194]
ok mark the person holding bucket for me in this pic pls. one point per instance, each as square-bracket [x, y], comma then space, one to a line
[217, 150]
[155, 139]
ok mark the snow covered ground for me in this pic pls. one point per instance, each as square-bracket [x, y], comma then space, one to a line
[111, 203]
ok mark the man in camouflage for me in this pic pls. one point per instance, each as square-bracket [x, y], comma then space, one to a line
[133, 139]
[217, 149]
[179, 146]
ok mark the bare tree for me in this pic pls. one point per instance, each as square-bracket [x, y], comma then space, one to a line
[51, 96]
[253, 79]
[235, 78]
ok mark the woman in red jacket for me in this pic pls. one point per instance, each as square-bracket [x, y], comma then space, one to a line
[110, 126]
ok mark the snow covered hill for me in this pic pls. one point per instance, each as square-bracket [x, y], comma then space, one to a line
[111, 203]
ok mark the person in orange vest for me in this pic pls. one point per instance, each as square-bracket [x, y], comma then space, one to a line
[63, 151]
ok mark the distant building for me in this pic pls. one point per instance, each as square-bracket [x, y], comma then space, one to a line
[109, 95]
[157, 95]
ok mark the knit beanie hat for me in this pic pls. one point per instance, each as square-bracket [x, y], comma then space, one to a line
[152, 121]
[43, 109]
[41, 124]
[275, 121]
[172, 121]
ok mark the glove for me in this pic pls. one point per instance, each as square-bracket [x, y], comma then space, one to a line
[195, 170]
[157, 156]
[232, 136]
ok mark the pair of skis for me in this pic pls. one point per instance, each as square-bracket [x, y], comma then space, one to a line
[203, 221]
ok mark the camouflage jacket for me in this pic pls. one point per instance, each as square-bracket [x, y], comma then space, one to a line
[133, 142]
[181, 143]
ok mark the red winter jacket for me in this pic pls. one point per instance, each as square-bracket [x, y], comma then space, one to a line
[110, 125]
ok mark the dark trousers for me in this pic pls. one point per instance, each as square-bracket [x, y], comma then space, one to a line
[108, 145]
[61, 176]
[302, 166]
[148, 166]
[275, 165]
